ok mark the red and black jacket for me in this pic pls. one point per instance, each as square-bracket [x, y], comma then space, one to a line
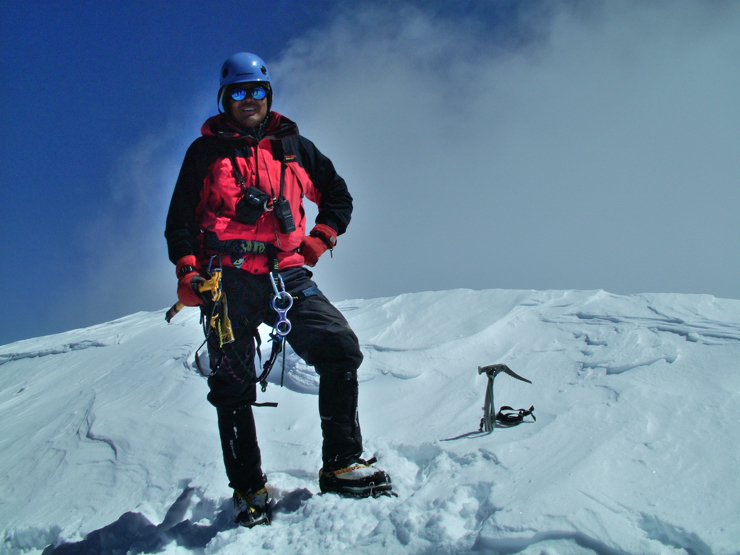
[208, 190]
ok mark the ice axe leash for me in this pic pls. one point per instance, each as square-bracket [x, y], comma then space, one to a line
[488, 422]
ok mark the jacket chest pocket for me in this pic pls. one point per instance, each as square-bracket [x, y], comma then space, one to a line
[221, 189]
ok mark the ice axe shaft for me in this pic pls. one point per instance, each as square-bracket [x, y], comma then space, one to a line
[177, 307]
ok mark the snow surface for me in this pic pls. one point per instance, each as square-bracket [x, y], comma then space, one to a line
[106, 431]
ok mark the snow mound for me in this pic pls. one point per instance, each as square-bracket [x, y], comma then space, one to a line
[109, 444]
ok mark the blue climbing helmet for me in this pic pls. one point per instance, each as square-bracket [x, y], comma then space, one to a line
[244, 67]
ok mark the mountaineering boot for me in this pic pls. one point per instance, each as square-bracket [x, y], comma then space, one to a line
[359, 479]
[250, 509]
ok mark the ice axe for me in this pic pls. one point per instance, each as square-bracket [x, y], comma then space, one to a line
[488, 423]
[213, 285]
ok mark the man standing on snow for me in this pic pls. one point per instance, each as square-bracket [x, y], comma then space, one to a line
[239, 198]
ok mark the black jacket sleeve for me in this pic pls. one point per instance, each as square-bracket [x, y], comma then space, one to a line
[182, 231]
[335, 206]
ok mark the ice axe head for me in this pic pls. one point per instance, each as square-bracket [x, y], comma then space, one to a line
[494, 370]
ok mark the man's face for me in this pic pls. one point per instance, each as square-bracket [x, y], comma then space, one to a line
[248, 112]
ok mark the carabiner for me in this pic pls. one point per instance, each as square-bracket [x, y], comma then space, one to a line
[281, 303]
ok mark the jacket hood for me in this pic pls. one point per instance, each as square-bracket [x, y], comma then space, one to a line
[221, 126]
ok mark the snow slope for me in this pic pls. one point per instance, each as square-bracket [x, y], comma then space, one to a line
[106, 433]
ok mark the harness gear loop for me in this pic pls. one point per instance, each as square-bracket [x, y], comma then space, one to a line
[280, 302]
[488, 422]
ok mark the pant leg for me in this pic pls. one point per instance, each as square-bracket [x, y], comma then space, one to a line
[242, 457]
[322, 337]
[248, 298]
[231, 384]
[232, 387]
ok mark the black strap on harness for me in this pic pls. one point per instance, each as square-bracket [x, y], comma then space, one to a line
[297, 297]
[237, 248]
[277, 149]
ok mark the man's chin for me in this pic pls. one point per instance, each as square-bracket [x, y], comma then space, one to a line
[249, 122]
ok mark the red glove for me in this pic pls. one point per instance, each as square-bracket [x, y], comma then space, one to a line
[188, 281]
[321, 238]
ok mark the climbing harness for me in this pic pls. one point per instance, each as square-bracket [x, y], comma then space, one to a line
[510, 418]
[217, 326]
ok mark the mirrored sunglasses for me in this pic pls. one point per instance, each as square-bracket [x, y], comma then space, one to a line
[258, 93]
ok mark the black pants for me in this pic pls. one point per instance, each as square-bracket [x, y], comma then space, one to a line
[320, 335]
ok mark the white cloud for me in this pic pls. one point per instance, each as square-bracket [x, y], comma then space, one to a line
[578, 146]
[598, 150]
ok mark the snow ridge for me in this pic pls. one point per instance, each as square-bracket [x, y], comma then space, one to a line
[634, 449]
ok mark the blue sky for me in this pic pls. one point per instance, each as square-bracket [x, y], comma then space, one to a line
[565, 145]
[83, 84]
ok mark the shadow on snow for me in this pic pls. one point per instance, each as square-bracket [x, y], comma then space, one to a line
[133, 533]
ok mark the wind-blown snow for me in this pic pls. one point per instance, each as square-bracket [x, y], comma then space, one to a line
[107, 436]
